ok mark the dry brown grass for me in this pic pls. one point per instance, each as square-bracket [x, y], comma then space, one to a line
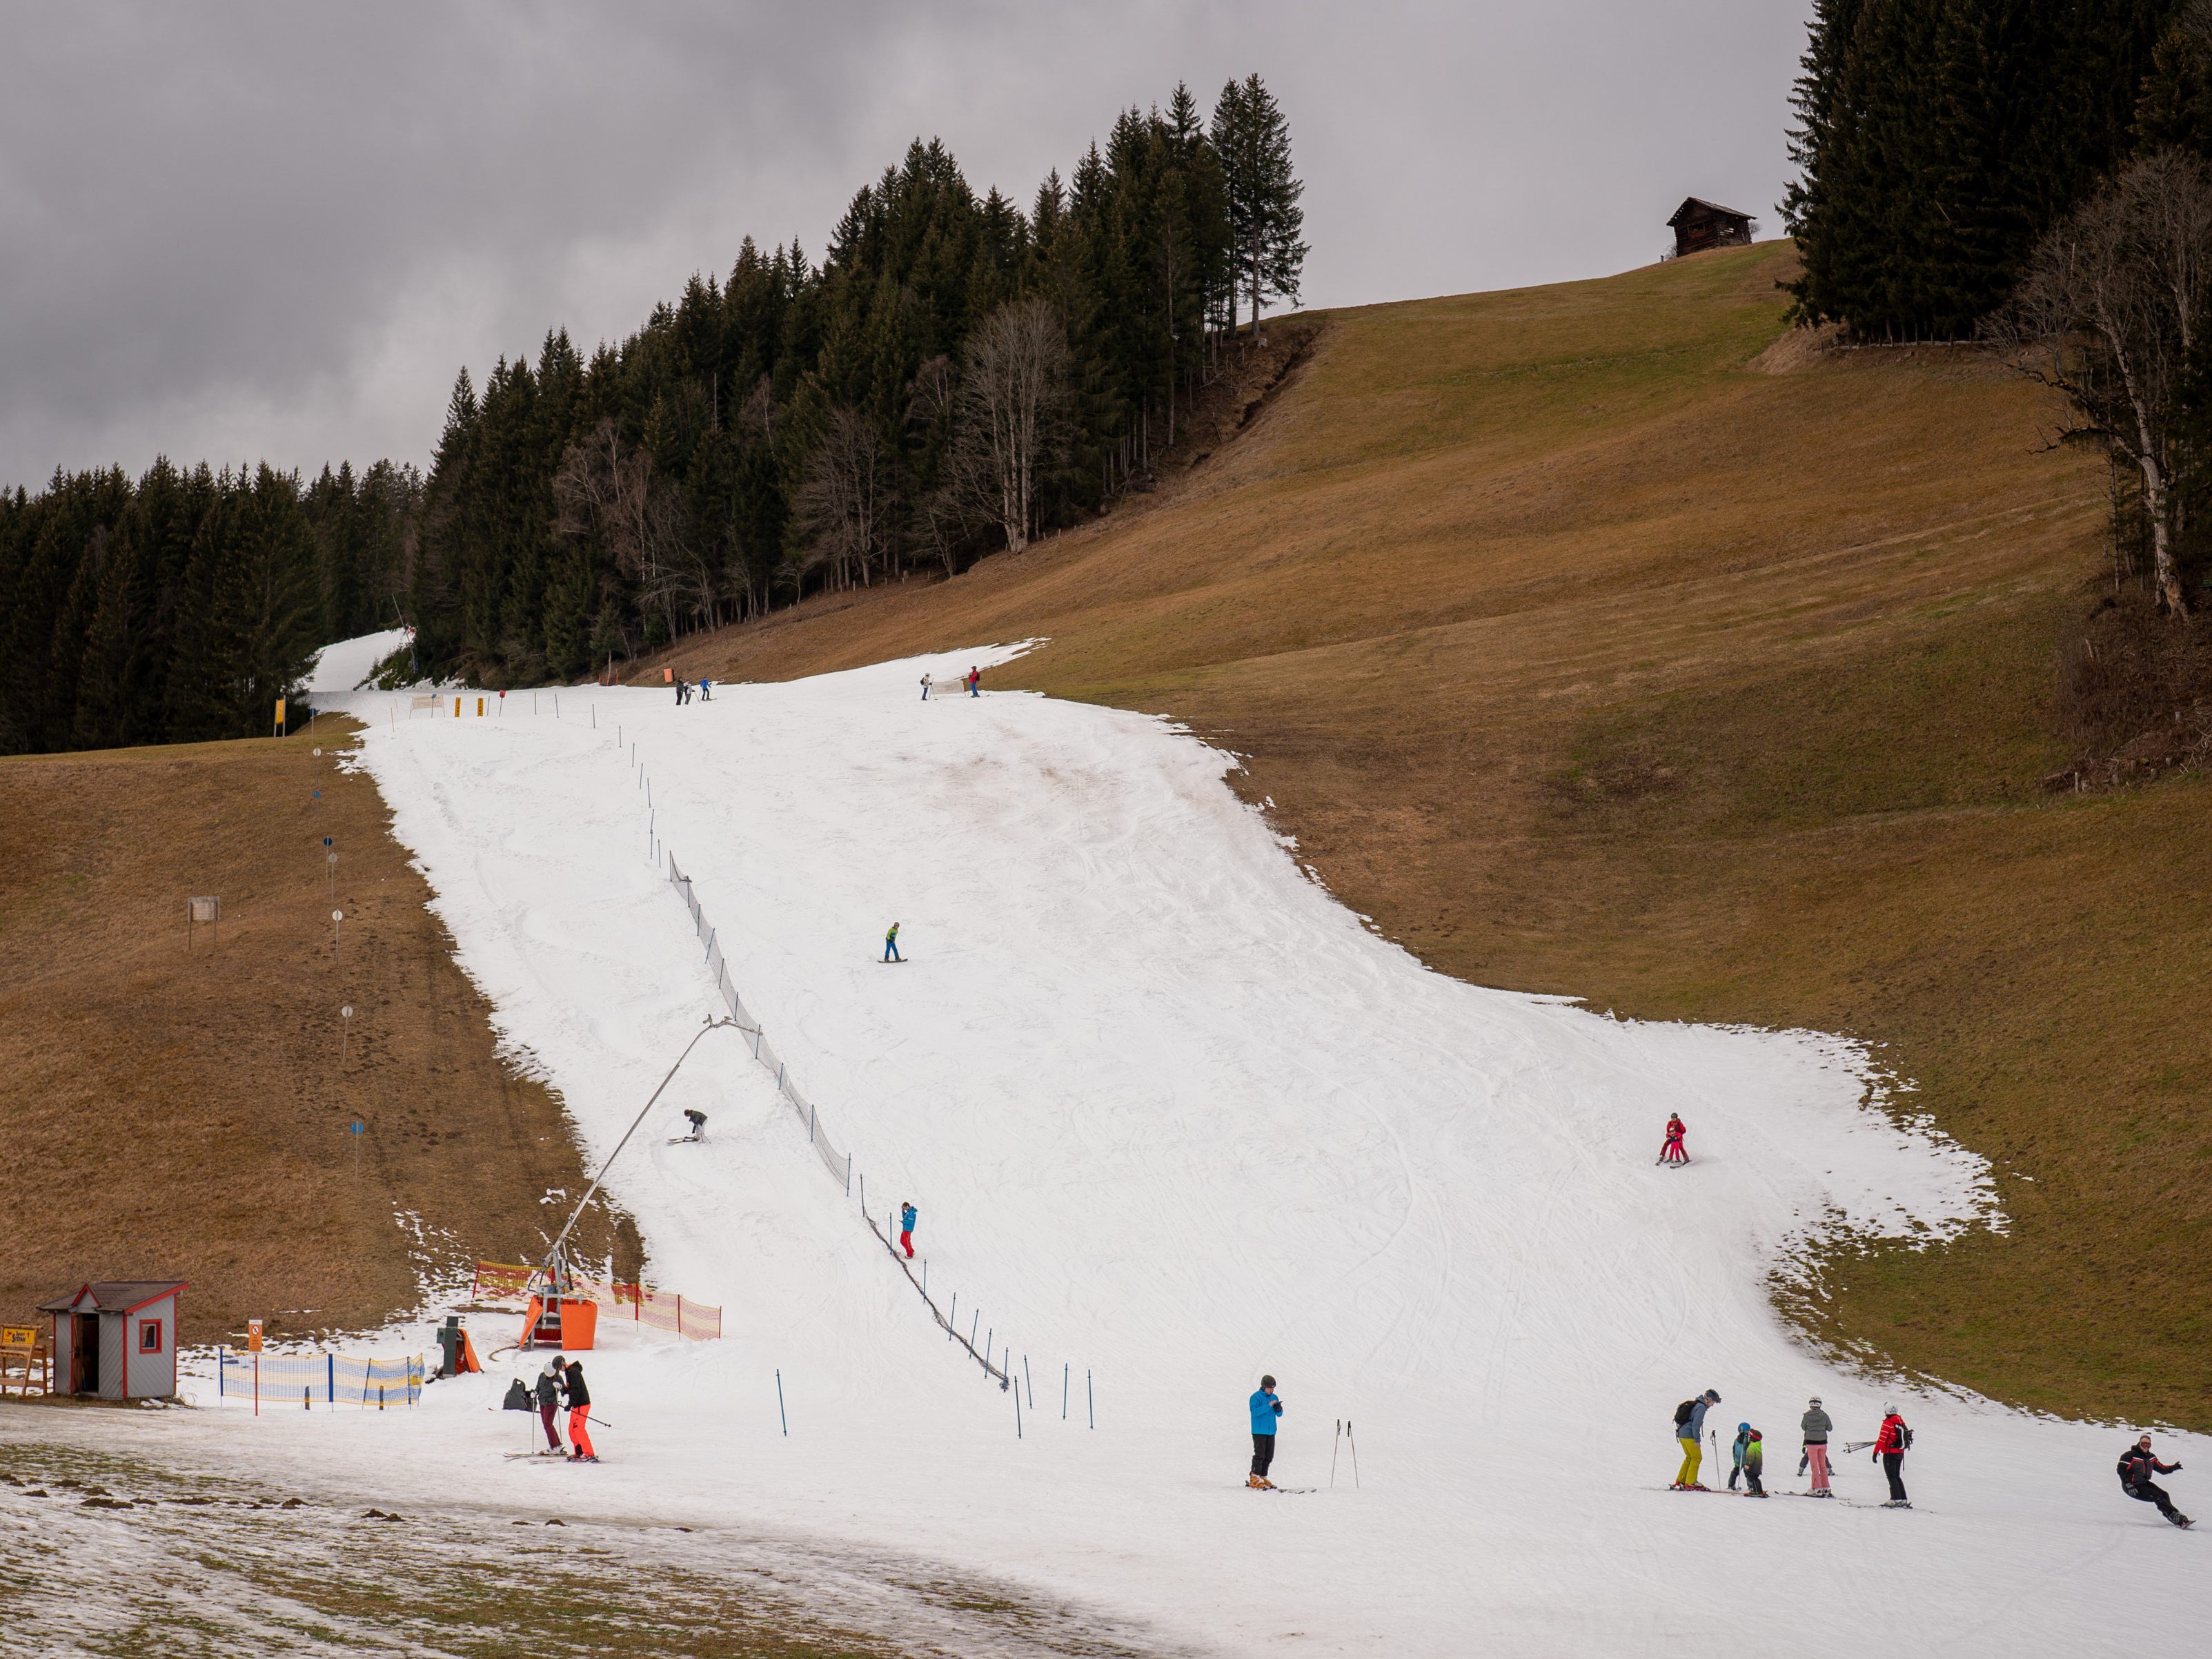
[1590, 646]
[184, 1114]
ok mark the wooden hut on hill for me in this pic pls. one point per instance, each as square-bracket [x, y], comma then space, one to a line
[1699, 224]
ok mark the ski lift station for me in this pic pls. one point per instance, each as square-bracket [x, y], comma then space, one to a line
[117, 1339]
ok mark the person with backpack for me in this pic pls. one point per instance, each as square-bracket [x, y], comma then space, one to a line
[1671, 1150]
[1266, 1409]
[974, 682]
[1817, 1426]
[1891, 1443]
[548, 1401]
[925, 688]
[907, 1213]
[579, 1411]
[1690, 1430]
[2137, 1465]
[1754, 1455]
[891, 945]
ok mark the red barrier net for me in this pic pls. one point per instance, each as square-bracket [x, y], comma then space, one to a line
[660, 1311]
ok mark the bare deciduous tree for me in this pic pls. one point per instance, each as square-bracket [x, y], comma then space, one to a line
[843, 502]
[2112, 302]
[1012, 401]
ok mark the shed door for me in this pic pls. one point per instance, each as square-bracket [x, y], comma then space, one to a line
[84, 1351]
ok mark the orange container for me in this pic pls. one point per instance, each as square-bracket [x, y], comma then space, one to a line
[570, 1326]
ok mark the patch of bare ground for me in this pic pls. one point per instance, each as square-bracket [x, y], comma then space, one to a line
[181, 1108]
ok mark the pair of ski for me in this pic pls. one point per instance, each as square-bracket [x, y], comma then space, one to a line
[1343, 1438]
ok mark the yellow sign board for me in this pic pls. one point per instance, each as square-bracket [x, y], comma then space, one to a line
[253, 1336]
[18, 1339]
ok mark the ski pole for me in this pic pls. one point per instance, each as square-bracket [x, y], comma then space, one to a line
[1333, 1443]
[781, 1417]
[1354, 1444]
[1064, 1369]
[1090, 1399]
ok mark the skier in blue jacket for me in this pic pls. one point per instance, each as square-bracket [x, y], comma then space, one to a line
[906, 1229]
[1265, 1411]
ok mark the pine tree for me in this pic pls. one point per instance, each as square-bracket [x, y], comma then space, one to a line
[1266, 222]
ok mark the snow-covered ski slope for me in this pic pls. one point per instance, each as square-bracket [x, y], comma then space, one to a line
[1174, 1117]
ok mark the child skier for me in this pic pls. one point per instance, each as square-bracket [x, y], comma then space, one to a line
[1670, 1151]
[1265, 1410]
[2137, 1465]
[1754, 1463]
[579, 1410]
[891, 945]
[1737, 1447]
[906, 1228]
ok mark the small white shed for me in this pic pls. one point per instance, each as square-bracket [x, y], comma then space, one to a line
[117, 1339]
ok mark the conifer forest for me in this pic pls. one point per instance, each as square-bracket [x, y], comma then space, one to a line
[956, 375]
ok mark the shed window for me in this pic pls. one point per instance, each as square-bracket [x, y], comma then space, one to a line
[149, 1336]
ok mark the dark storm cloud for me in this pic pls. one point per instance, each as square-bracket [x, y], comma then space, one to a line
[242, 232]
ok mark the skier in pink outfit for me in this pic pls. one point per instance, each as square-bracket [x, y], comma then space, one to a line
[1671, 1152]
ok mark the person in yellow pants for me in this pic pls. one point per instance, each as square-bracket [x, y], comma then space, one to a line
[1690, 1430]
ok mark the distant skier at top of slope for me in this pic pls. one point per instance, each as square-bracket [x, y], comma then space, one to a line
[2137, 1465]
[1690, 1431]
[974, 682]
[891, 945]
[1267, 1410]
[1890, 1443]
[925, 687]
[1670, 1150]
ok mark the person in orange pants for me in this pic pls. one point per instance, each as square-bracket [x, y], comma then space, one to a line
[579, 1411]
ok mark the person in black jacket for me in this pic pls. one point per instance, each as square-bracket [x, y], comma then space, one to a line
[2137, 1465]
[579, 1411]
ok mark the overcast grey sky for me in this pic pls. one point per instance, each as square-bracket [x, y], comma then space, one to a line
[276, 231]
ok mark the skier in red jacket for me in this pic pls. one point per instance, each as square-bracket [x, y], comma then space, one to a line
[1670, 1151]
[1889, 1444]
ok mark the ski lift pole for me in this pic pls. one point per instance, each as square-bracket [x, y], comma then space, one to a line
[552, 1254]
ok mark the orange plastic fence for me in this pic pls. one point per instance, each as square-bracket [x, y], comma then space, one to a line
[660, 1311]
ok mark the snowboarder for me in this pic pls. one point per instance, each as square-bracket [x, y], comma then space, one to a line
[1265, 1410]
[1816, 1427]
[1754, 1463]
[891, 945]
[1670, 1150]
[2137, 1465]
[1690, 1430]
[925, 688]
[906, 1228]
[579, 1411]
[1736, 1449]
[1890, 1444]
[548, 1401]
[974, 682]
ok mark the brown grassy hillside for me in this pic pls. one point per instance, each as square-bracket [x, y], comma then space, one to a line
[184, 1113]
[1591, 646]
